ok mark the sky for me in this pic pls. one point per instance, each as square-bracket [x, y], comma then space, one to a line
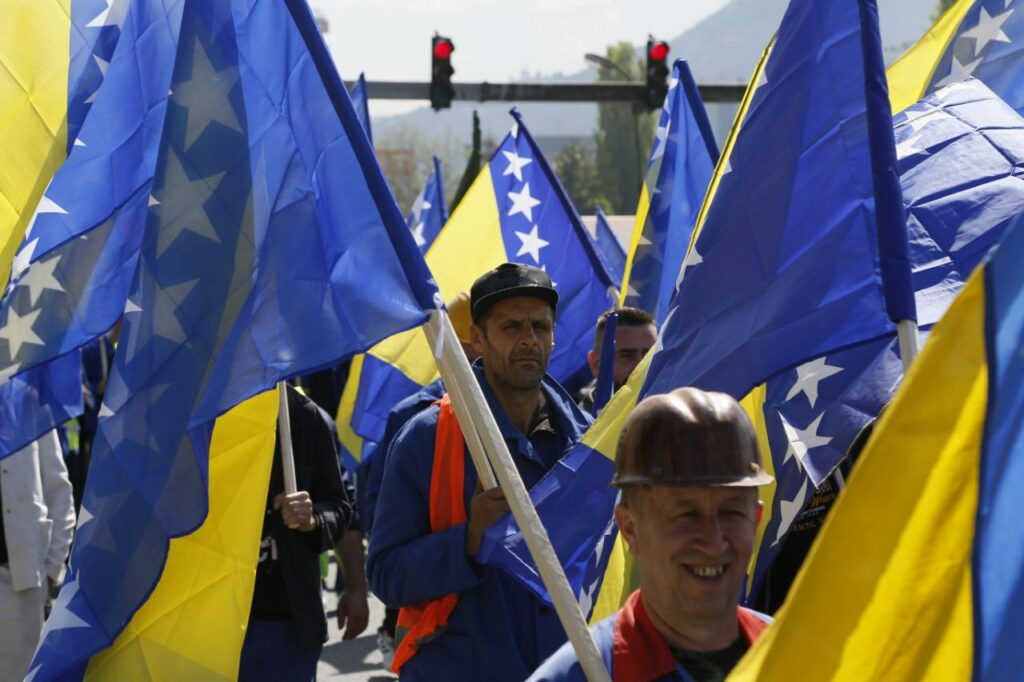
[495, 40]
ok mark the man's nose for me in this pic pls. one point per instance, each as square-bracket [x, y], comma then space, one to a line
[710, 534]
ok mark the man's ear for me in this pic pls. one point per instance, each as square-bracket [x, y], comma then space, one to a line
[476, 338]
[758, 513]
[592, 360]
[625, 518]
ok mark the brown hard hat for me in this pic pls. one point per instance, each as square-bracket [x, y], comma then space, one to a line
[689, 437]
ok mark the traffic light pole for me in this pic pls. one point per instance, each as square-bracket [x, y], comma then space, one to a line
[544, 92]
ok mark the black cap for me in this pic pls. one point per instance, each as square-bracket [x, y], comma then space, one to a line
[508, 280]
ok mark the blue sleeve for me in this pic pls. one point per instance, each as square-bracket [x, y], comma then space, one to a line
[564, 665]
[407, 563]
[375, 466]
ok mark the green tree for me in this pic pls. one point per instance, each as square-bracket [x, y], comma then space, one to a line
[624, 133]
[576, 168]
[941, 8]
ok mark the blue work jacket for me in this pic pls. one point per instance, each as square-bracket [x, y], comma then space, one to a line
[499, 630]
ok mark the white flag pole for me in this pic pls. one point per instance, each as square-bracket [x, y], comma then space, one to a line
[284, 438]
[906, 333]
[471, 409]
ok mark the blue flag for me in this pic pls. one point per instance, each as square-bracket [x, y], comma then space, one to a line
[516, 210]
[361, 103]
[960, 150]
[682, 159]
[38, 399]
[763, 289]
[271, 246]
[429, 212]
[608, 248]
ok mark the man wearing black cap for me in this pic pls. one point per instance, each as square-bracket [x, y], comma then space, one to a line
[689, 466]
[461, 619]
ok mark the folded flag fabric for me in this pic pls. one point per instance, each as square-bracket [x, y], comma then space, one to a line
[763, 290]
[516, 210]
[983, 39]
[270, 246]
[429, 211]
[961, 155]
[941, 574]
[683, 157]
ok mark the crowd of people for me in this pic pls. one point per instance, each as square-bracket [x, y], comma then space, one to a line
[688, 466]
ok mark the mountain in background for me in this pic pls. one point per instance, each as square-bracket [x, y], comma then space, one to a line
[724, 47]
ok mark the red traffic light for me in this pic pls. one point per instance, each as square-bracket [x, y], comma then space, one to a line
[443, 48]
[658, 51]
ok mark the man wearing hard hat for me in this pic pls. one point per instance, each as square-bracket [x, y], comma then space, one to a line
[688, 465]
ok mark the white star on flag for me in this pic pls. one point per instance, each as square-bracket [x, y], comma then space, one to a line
[417, 234]
[788, 511]
[18, 330]
[958, 72]
[78, 142]
[103, 65]
[660, 138]
[909, 147]
[515, 164]
[61, 617]
[801, 441]
[532, 244]
[40, 278]
[988, 28]
[23, 258]
[112, 15]
[522, 202]
[203, 108]
[46, 205]
[809, 376]
[693, 258]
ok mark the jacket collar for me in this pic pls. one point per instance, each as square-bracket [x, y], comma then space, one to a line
[569, 421]
[639, 652]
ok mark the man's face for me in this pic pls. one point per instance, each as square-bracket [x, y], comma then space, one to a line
[515, 342]
[631, 345]
[693, 546]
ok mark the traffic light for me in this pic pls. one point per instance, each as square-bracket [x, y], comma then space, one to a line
[657, 73]
[441, 90]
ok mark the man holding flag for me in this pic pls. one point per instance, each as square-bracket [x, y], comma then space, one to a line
[688, 465]
[459, 618]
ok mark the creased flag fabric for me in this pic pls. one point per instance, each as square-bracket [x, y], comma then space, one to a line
[361, 103]
[608, 248]
[515, 210]
[683, 157]
[763, 290]
[44, 96]
[271, 247]
[429, 211]
[941, 575]
[979, 38]
[961, 155]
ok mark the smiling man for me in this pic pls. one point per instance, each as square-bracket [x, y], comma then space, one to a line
[688, 465]
[460, 619]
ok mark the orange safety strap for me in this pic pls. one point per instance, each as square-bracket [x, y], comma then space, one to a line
[420, 623]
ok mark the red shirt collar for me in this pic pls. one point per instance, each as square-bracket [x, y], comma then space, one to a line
[639, 652]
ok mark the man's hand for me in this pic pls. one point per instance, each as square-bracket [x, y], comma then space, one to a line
[487, 507]
[353, 613]
[296, 510]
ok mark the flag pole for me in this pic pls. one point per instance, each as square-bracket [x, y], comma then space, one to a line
[910, 346]
[470, 409]
[284, 437]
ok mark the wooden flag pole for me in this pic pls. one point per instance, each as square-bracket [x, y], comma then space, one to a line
[471, 409]
[284, 438]
[906, 334]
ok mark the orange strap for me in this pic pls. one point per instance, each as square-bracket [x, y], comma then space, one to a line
[420, 623]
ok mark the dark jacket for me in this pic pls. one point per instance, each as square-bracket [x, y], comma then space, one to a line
[317, 472]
